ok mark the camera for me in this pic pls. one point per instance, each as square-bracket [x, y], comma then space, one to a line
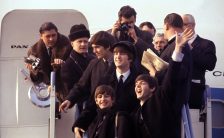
[34, 61]
[124, 27]
[124, 36]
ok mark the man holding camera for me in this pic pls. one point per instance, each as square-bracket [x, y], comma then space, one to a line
[51, 50]
[125, 30]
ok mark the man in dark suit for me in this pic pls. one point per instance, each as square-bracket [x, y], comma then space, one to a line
[173, 24]
[204, 58]
[159, 111]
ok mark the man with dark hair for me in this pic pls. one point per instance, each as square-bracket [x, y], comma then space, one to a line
[159, 113]
[125, 30]
[52, 49]
[47, 26]
[104, 123]
[172, 23]
[148, 26]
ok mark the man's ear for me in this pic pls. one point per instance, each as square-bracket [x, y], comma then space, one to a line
[41, 36]
[71, 43]
[152, 89]
[166, 26]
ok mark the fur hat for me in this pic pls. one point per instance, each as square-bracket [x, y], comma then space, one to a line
[78, 31]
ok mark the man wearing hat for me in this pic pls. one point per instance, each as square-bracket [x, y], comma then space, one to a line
[122, 78]
[79, 58]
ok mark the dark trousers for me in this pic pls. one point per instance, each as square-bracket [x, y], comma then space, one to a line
[196, 100]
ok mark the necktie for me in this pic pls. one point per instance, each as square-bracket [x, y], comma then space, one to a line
[49, 51]
[120, 82]
[120, 89]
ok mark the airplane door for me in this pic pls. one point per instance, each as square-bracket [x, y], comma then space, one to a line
[19, 118]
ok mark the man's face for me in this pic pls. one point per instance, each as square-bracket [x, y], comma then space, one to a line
[130, 21]
[80, 45]
[49, 37]
[142, 90]
[100, 51]
[121, 59]
[104, 101]
[159, 43]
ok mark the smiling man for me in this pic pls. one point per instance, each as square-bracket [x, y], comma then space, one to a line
[122, 79]
[104, 123]
[157, 117]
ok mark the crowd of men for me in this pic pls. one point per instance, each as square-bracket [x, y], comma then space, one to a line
[122, 98]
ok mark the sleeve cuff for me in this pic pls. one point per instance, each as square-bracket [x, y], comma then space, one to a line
[177, 56]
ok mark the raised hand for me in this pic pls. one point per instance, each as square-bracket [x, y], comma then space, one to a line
[115, 27]
[182, 38]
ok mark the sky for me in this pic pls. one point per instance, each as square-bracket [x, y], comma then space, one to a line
[103, 13]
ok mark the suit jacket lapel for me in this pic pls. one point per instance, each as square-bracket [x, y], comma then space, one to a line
[196, 42]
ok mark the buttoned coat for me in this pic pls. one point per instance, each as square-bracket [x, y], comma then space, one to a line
[204, 58]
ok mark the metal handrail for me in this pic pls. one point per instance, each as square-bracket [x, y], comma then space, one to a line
[217, 100]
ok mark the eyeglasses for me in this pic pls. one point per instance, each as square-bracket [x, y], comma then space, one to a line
[186, 24]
